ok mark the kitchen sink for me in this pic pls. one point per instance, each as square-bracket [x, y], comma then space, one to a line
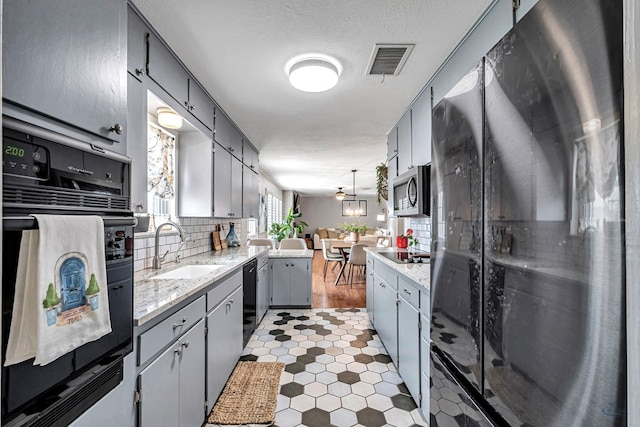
[187, 272]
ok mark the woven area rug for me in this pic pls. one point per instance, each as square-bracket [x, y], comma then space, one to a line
[250, 396]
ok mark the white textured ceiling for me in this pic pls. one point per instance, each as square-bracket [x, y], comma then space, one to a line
[310, 142]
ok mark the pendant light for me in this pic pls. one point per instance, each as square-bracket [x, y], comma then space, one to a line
[340, 195]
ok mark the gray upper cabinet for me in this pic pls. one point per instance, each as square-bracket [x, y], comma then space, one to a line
[221, 182]
[137, 33]
[137, 142]
[200, 105]
[392, 143]
[227, 135]
[421, 130]
[165, 70]
[168, 72]
[227, 184]
[236, 188]
[249, 193]
[250, 156]
[67, 60]
[404, 143]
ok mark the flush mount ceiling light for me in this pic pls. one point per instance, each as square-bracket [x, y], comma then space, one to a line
[168, 118]
[315, 73]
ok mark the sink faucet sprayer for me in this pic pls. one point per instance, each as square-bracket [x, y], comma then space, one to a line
[157, 260]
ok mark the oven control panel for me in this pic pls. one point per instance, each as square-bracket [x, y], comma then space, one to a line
[25, 159]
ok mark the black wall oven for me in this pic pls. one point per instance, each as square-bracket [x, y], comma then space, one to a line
[44, 172]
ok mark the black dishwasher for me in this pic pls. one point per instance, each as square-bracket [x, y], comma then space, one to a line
[249, 309]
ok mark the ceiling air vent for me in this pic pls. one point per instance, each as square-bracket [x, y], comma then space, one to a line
[388, 59]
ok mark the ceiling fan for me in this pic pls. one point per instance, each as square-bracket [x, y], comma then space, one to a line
[340, 195]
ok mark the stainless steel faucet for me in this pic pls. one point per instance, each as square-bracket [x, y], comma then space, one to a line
[157, 260]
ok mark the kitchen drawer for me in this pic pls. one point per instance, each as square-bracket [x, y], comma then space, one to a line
[161, 335]
[425, 302]
[409, 292]
[221, 289]
[387, 274]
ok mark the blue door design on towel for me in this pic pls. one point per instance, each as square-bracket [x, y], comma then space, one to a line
[72, 283]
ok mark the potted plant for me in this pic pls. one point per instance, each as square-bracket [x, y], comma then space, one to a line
[407, 241]
[289, 227]
[276, 232]
[354, 230]
[92, 292]
[50, 304]
[382, 190]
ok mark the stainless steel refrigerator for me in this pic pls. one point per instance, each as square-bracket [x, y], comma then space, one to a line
[528, 288]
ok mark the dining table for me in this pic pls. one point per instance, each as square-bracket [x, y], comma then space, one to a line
[342, 247]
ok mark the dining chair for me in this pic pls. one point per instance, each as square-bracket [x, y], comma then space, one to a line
[329, 257]
[260, 242]
[293, 244]
[357, 258]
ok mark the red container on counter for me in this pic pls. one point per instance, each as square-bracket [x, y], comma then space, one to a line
[402, 242]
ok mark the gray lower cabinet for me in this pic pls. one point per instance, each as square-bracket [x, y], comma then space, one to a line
[369, 288]
[67, 60]
[386, 320]
[291, 282]
[172, 387]
[263, 289]
[400, 313]
[409, 337]
[425, 379]
[224, 344]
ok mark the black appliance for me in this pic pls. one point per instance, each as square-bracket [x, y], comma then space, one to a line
[250, 298]
[411, 192]
[527, 268]
[44, 172]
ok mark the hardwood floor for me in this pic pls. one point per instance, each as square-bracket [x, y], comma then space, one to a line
[328, 295]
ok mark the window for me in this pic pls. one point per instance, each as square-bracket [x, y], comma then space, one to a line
[274, 210]
[161, 185]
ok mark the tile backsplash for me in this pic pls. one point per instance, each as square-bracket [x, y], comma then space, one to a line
[422, 230]
[198, 231]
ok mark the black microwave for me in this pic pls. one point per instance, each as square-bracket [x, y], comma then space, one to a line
[411, 192]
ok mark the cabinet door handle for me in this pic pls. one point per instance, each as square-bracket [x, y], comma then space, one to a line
[185, 344]
[178, 351]
[186, 104]
[407, 292]
[230, 148]
[191, 107]
[139, 72]
[179, 325]
[117, 128]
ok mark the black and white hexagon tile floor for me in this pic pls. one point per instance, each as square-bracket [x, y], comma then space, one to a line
[337, 372]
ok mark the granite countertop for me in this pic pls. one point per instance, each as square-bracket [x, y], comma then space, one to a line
[419, 273]
[291, 253]
[154, 297]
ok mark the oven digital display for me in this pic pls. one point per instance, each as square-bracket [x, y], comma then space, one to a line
[25, 160]
[12, 150]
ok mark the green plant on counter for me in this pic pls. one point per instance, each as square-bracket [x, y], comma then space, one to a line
[288, 227]
[354, 228]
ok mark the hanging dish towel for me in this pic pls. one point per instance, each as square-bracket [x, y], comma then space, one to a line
[61, 299]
